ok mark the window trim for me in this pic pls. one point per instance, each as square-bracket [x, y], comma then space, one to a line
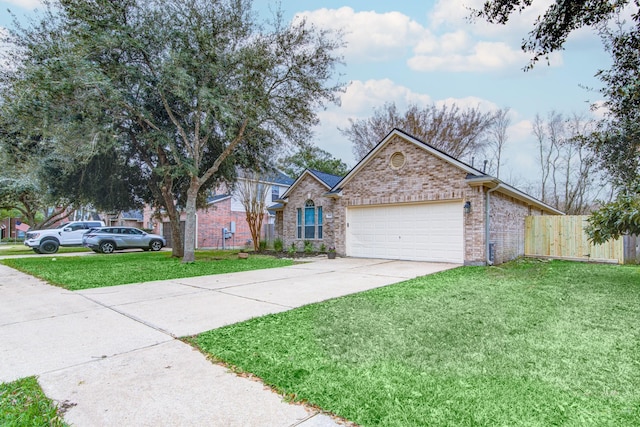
[310, 214]
[311, 231]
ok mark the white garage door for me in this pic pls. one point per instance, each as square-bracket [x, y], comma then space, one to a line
[421, 232]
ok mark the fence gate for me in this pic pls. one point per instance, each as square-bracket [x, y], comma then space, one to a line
[563, 237]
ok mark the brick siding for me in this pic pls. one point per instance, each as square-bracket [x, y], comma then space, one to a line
[422, 178]
[211, 221]
[308, 188]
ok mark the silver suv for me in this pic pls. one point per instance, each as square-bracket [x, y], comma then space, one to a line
[67, 234]
[109, 239]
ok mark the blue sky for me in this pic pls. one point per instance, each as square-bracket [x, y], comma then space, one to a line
[428, 52]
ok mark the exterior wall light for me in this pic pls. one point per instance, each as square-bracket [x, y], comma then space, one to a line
[467, 207]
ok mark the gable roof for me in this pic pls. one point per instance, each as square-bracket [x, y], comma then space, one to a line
[279, 177]
[326, 179]
[329, 179]
[474, 176]
[429, 148]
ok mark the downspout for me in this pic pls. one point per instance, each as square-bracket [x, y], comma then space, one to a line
[487, 222]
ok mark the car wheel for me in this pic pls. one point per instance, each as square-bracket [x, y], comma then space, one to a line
[107, 247]
[155, 245]
[49, 247]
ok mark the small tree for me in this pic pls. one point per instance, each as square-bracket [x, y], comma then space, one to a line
[253, 191]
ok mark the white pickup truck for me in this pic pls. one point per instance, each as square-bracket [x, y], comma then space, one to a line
[68, 234]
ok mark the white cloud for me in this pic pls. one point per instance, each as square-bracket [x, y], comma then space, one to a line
[460, 46]
[362, 97]
[600, 110]
[483, 56]
[370, 36]
[520, 130]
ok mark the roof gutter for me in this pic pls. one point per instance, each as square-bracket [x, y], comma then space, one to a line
[487, 222]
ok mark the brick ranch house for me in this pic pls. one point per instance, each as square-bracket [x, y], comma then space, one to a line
[408, 200]
[224, 210]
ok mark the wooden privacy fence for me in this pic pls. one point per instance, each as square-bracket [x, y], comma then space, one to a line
[564, 237]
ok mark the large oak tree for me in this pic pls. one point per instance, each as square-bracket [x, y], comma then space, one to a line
[188, 87]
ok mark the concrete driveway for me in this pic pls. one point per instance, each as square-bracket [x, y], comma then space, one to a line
[110, 357]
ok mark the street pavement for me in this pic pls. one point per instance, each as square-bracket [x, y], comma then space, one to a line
[111, 357]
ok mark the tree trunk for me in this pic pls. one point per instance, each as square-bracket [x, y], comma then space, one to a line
[255, 226]
[190, 224]
[177, 247]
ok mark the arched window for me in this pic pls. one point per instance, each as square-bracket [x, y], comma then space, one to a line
[309, 220]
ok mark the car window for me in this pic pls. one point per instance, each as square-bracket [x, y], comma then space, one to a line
[135, 231]
[77, 226]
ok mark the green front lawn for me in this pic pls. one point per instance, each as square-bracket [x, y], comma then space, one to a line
[7, 250]
[99, 270]
[526, 343]
[22, 403]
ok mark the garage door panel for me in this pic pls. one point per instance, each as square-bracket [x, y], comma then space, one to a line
[422, 232]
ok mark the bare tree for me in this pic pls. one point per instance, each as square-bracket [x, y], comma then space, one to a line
[253, 191]
[458, 132]
[570, 179]
[498, 137]
[546, 133]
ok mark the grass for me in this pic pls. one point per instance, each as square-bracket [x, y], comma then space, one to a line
[7, 250]
[527, 343]
[22, 403]
[94, 271]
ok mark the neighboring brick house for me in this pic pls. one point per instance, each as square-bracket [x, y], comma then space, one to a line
[128, 219]
[224, 211]
[409, 200]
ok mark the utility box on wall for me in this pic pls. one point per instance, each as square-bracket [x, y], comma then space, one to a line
[492, 252]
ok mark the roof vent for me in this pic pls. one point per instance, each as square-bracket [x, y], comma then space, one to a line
[397, 160]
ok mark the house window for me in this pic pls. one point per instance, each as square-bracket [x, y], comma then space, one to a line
[275, 193]
[309, 220]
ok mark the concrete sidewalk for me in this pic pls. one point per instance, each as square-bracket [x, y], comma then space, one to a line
[109, 355]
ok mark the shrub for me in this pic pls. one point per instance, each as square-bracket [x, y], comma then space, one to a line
[278, 246]
[292, 249]
[308, 246]
[262, 246]
[323, 248]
